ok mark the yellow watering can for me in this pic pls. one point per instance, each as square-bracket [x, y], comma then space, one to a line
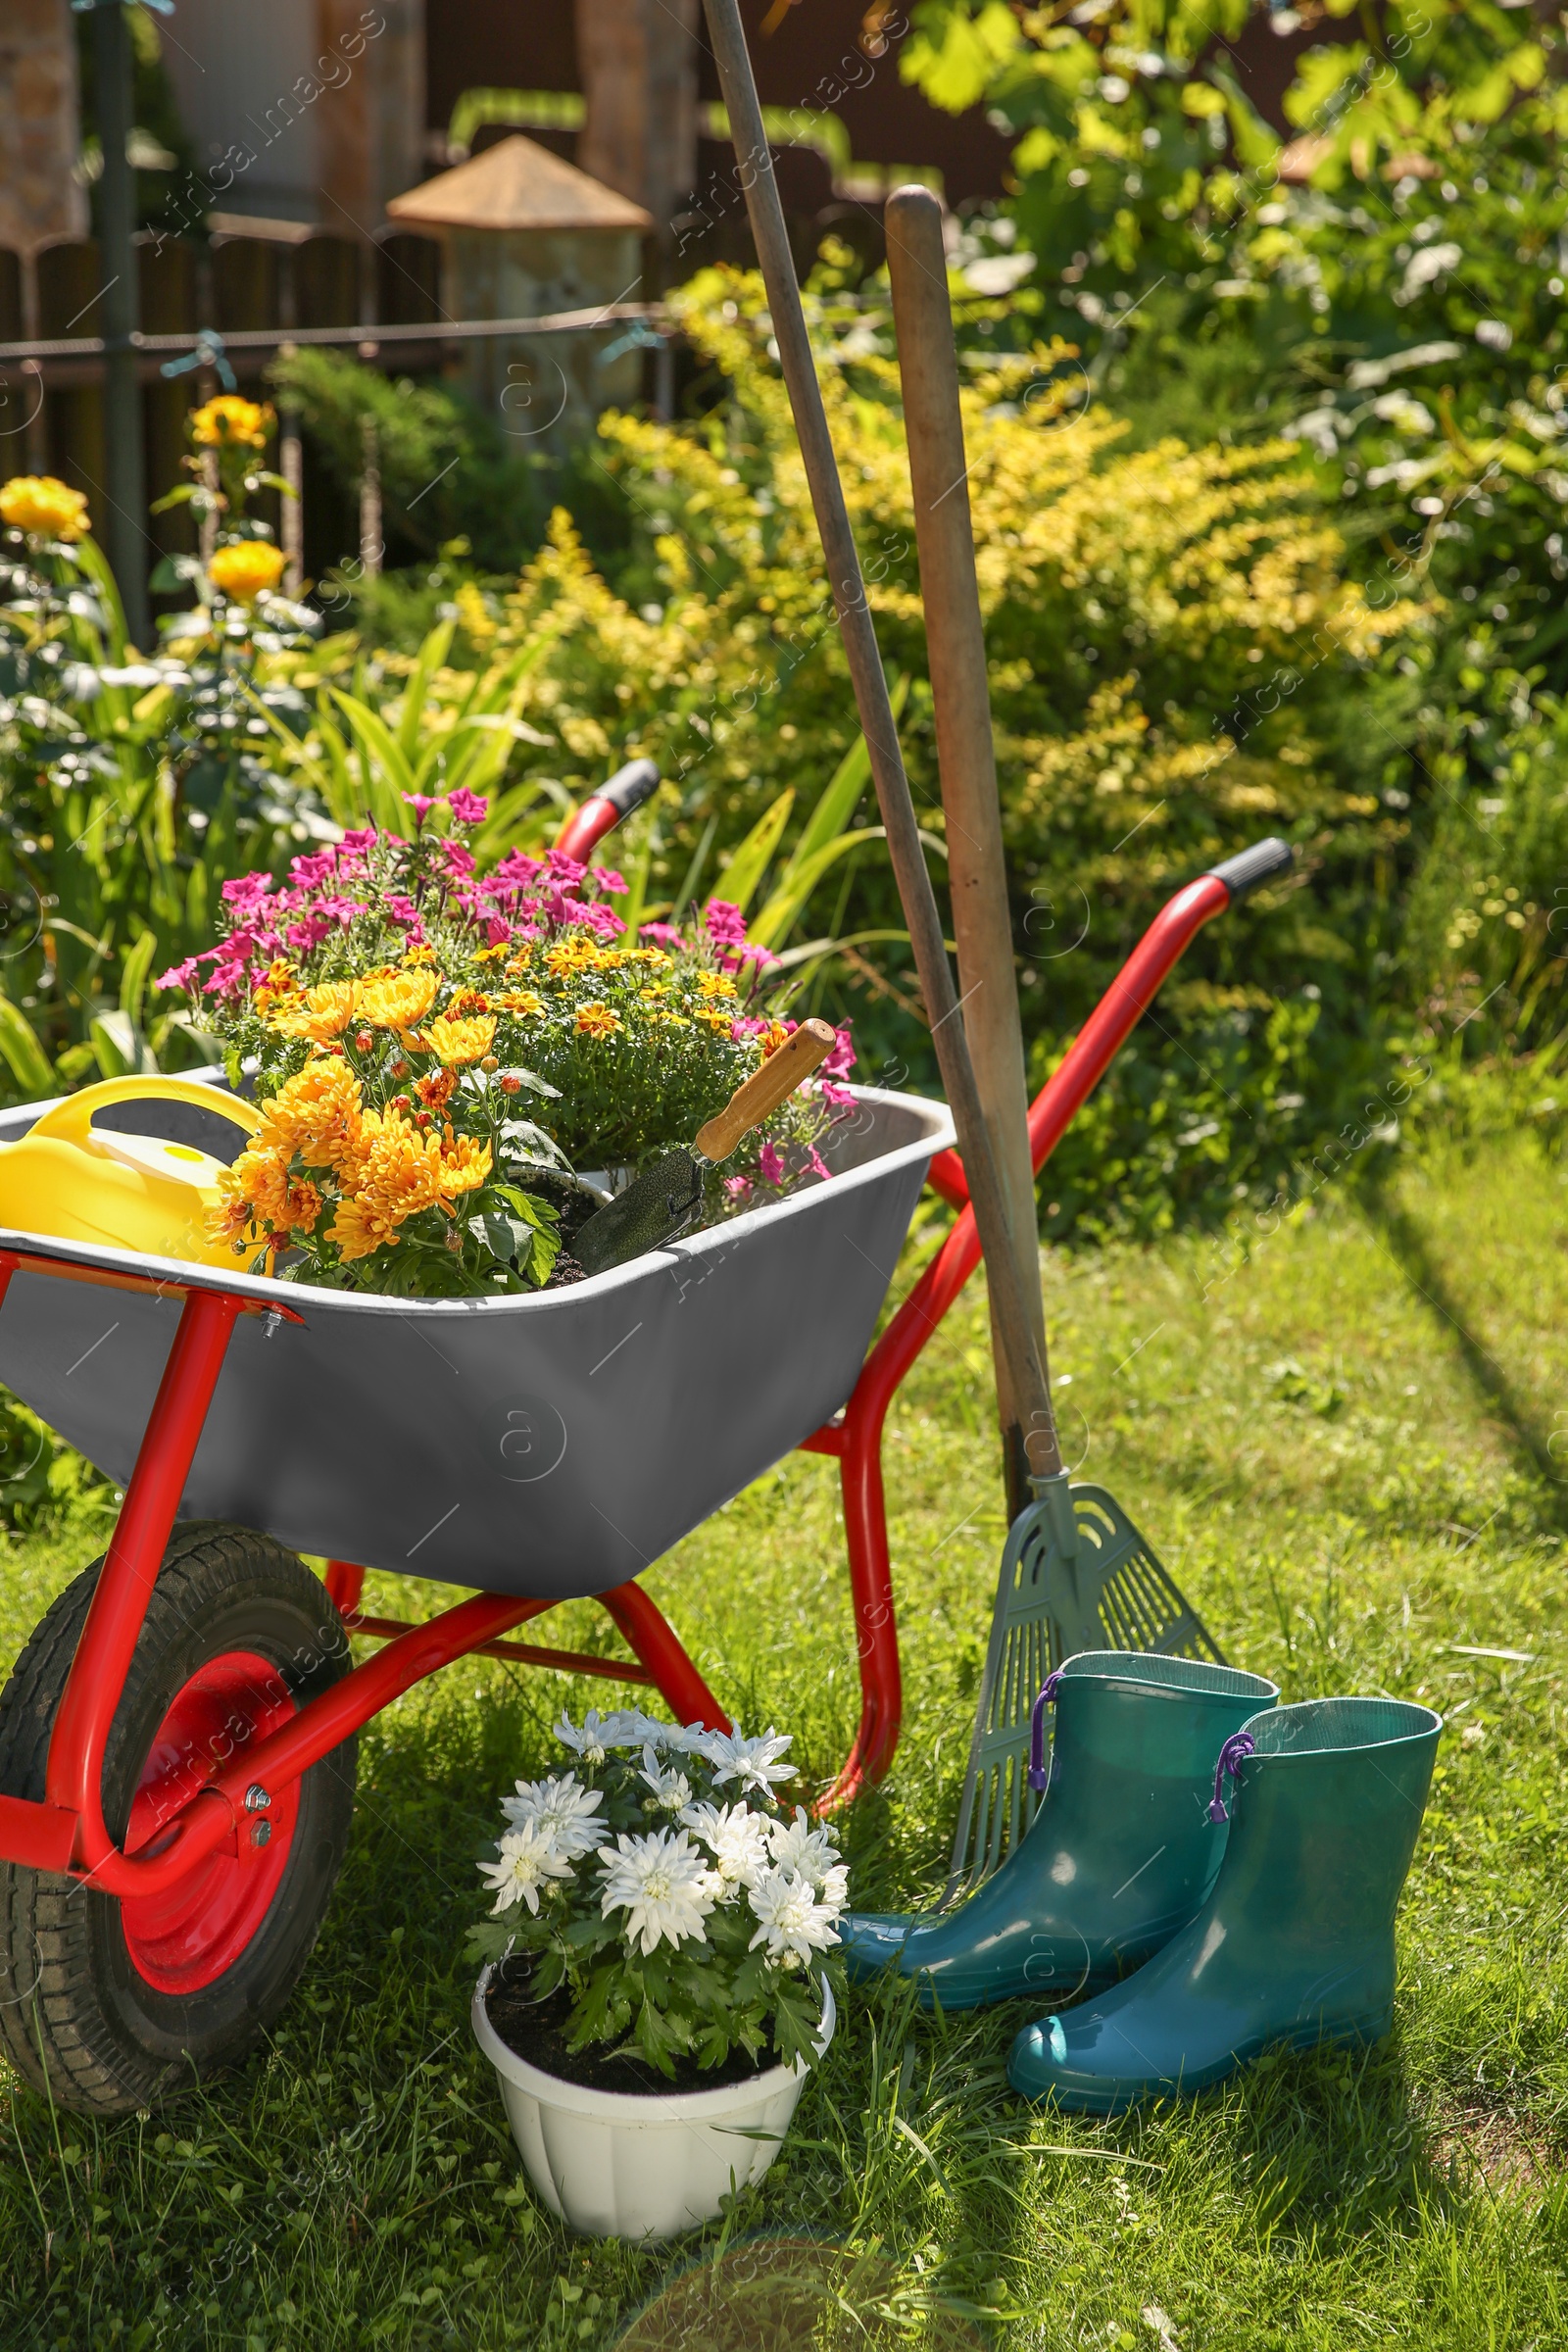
[128, 1192]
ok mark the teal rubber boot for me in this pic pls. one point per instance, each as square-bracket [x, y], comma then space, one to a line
[1294, 1946]
[1120, 1855]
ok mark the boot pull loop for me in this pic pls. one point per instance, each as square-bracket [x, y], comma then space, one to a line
[1236, 1746]
[1038, 1774]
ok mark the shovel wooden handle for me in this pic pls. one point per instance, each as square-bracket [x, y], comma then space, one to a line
[765, 1088]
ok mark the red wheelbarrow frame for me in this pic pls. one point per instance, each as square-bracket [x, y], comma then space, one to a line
[67, 1831]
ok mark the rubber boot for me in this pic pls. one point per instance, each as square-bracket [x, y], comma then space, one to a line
[1120, 1855]
[1294, 1946]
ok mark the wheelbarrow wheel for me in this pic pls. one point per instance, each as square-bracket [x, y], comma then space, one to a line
[109, 2005]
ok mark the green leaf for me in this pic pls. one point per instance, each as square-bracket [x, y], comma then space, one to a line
[785, 908]
[134, 966]
[417, 689]
[842, 791]
[29, 1064]
[741, 872]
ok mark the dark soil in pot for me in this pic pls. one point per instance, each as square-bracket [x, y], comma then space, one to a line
[537, 2032]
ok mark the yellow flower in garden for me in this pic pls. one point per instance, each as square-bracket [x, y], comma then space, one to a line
[43, 507]
[315, 1115]
[580, 954]
[522, 1001]
[719, 1022]
[714, 984]
[322, 1013]
[397, 1174]
[399, 1003]
[460, 1041]
[277, 983]
[246, 567]
[596, 1020]
[465, 1165]
[230, 423]
[420, 955]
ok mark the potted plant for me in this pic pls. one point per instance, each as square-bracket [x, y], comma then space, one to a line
[658, 1969]
[432, 1047]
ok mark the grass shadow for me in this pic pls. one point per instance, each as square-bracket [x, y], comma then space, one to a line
[1495, 1388]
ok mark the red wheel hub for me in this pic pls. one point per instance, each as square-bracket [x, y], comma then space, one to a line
[187, 1937]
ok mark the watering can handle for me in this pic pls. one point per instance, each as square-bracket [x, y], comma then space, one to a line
[71, 1121]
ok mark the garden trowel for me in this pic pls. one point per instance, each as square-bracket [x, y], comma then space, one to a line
[662, 1200]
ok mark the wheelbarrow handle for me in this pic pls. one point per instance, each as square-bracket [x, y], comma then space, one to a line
[602, 810]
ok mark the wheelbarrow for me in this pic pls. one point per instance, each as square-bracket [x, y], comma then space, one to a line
[177, 1738]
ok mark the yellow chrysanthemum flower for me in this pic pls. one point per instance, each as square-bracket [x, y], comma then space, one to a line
[320, 1015]
[231, 422]
[596, 1020]
[422, 954]
[465, 1165]
[719, 1022]
[315, 1115]
[714, 984]
[399, 1003]
[458, 1041]
[43, 507]
[258, 1201]
[521, 1002]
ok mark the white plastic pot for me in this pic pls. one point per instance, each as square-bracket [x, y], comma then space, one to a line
[642, 2164]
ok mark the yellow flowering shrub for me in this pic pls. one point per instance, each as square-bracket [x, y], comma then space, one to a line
[231, 422]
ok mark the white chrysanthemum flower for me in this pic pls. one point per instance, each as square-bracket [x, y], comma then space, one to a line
[753, 1762]
[601, 1733]
[735, 1837]
[671, 1789]
[791, 1921]
[529, 1855]
[690, 1739]
[663, 1886]
[834, 1890]
[562, 1806]
[796, 1845]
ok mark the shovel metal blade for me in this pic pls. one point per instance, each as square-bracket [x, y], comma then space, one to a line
[656, 1205]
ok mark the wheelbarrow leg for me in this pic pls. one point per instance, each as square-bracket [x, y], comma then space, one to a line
[654, 1643]
[345, 1585]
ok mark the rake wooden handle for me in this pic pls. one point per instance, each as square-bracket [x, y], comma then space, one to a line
[738, 87]
[955, 648]
[765, 1088]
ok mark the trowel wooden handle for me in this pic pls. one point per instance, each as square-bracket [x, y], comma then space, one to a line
[765, 1088]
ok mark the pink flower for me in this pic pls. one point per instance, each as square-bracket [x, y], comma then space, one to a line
[401, 909]
[182, 975]
[841, 1061]
[603, 921]
[735, 960]
[608, 880]
[422, 805]
[725, 924]
[818, 1164]
[663, 935]
[456, 858]
[496, 931]
[247, 891]
[518, 869]
[739, 1188]
[770, 1165]
[566, 871]
[834, 1094]
[467, 807]
[356, 845]
[306, 872]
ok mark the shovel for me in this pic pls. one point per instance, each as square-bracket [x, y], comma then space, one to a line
[663, 1200]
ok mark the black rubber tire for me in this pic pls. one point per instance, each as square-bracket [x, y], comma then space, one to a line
[76, 2018]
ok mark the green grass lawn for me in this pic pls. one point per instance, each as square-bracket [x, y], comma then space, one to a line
[1352, 1452]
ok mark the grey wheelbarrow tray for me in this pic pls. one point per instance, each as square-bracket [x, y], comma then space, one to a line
[551, 1446]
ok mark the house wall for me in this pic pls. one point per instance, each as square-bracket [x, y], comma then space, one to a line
[40, 199]
[303, 110]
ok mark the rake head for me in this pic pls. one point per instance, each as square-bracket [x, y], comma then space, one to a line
[1076, 1575]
